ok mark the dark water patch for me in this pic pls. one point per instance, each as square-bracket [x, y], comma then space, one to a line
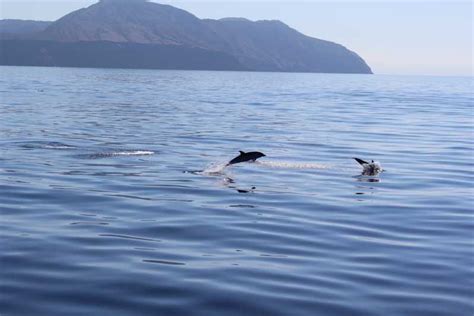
[120, 174]
[224, 102]
[242, 206]
[244, 191]
[174, 263]
[132, 197]
[88, 215]
[90, 223]
[272, 256]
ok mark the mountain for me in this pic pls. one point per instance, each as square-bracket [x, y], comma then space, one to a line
[21, 28]
[102, 54]
[274, 46]
[142, 26]
[135, 21]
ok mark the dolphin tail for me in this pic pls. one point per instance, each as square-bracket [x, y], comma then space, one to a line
[360, 161]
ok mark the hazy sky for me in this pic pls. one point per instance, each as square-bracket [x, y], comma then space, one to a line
[394, 37]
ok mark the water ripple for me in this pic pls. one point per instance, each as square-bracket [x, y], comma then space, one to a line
[129, 237]
[116, 193]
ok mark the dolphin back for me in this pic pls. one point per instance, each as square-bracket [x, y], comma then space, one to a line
[243, 157]
[236, 160]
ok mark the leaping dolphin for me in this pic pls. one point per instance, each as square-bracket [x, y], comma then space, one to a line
[372, 168]
[243, 157]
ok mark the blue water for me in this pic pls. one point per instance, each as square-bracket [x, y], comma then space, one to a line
[114, 199]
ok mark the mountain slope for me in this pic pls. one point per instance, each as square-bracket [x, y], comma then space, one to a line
[272, 45]
[112, 55]
[135, 21]
[21, 28]
[259, 46]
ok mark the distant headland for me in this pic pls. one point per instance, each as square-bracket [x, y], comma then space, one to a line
[147, 35]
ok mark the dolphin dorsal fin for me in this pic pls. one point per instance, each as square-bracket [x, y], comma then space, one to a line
[360, 161]
[241, 152]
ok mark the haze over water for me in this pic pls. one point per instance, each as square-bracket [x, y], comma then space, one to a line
[113, 199]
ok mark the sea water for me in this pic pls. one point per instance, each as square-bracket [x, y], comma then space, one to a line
[115, 198]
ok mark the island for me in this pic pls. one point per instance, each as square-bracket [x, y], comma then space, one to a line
[147, 35]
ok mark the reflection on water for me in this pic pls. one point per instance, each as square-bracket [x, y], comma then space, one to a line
[363, 178]
[101, 212]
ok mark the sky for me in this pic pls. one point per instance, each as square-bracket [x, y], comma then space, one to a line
[412, 37]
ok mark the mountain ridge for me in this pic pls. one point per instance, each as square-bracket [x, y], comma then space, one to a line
[266, 45]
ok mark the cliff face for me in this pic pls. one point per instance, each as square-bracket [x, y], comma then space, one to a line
[261, 45]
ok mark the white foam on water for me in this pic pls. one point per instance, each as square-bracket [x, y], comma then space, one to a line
[292, 165]
[117, 154]
[58, 147]
[48, 145]
[219, 167]
[215, 168]
[133, 153]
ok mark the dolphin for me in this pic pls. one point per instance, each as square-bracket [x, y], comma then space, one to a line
[372, 168]
[243, 157]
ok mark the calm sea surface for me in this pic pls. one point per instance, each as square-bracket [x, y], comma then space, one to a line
[114, 199]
